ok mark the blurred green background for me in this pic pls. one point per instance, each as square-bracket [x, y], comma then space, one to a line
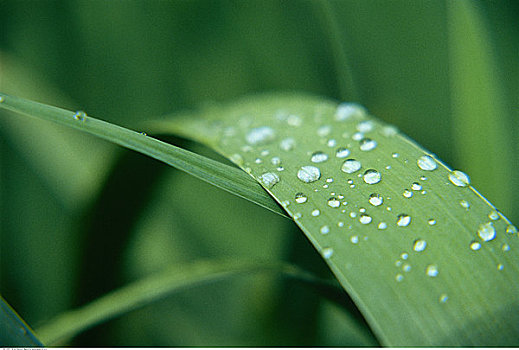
[80, 217]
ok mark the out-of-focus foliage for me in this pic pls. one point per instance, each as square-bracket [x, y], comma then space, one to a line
[79, 217]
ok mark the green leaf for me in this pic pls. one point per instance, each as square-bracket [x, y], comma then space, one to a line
[216, 173]
[158, 286]
[14, 331]
[425, 257]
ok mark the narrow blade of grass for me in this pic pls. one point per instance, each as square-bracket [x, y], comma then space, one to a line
[225, 177]
[14, 332]
[159, 286]
[425, 257]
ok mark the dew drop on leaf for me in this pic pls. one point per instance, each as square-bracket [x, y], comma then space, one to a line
[354, 239]
[443, 298]
[432, 271]
[459, 178]
[505, 247]
[342, 152]
[416, 186]
[487, 232]
[431, 222]
[327, 253]
[375, 199]
[325, 229]
[333, 202]
[475, 246]
[403, 220]
[348, 110]
[316, 212]
[371, 177]
[427, 163]
[269, 179]
[464, 204]
[319, 157]
[365, 126]
[407, 193]
[287, 144]
[511, 229]
[301, 198]
[324, 130]
[493, 215]
[80, 116]
[367, 144]
[350, 166]
[382, 226]
[419, 245]
[399, 277]
[365, 219]
[260, 136]
[309, 174]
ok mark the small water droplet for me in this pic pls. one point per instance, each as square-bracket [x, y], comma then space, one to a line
[493, 215]
[327, 253]
[407, 193]
[371, 177]
[505, 247]
[342, 152]
[297, 216]
[324, 130]
[269, 179]
[475, 245]
[427, 163]
[80, 116]
[500, 267]
[404, 256]
[432, 271]
[294, 120]
[389, 131]
[275, 161]
[365, 126]
[511, 229]
[459, 178]
[287, 144]
[431, 222]
[399, 277]
[354, 239]
[319, 157]
[382, 226]
[395, 155]
[143, 133]
[309, 174]
[419, 245]
[301, 198]
[365, 219]
[331, 143]
[333, 202]
[357, 136]
[2, 98]
[443, 298]
[367, 144]
[258, 161]
[265, 152]
[464, 204]
[237, 159]
[348, 110]
[325, 229]
[375, 199]
[406, 267]
[330, 180]
[260, 135]
[403, 220]
[487, 232]
[416, 186]
[398, 263]
[350, 166]
[316, 212]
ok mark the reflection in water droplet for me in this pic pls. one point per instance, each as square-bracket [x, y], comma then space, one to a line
[475, 245]
[365, 219]
[375, 199]
[416, 186]
[2, 98]
[348, 110]
[395, 155]
[325, 229]
[382, 226]
[316, 212]
[350, 166]
[432, 271]
[319, 157]
[371, 177]
[389, 131]
[407, 193]
[327, 253]
[419, 245]
[333, 202]
[493, 215]
[427, 163]
[301, 198]
[367, 144]
[487, 232]
[465, 204]
[431, 222]
[342, 152]
[403, 220]
[309, 174]
[287, 144]
[459, 178]
[260, 136]
[269, 179]
[80, 116]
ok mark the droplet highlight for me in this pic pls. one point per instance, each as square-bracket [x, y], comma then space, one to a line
[427, 163]
[371, 177]
[459, 178]
[309, 174]
[487, 232]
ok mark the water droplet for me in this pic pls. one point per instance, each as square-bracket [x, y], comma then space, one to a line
[80, 115]
[431, 222]
[459, 178]
[365, 126]
[275, 161]
[389, 131]
[423, 178]
[500, 267]
[353, 214]
[287, 144]
[350, 166]
[297, 216]
[258, 161]
[399, 277]
[404, 256]
[419, 245]
[443, 298]
[406, 267]
[427, 163]
[316, 212]
[395, 155]
[325, 229]
[342, 152]
[416, 186]
[319, 157]
[432, 271]
[371, 177]
[269, 179]
[475, 245]
[354, 239]
[465, 204]
[327, 253]
[143, 133]
[330, 180]
[357, 136]
[403, 220]
[331, 143]
[347, 110]
[294, 120]
[2, 98]
[260, 136]
[407, 193]
[265, 152]
[398, 263]
[487, 232]
[382, 226]
[365, 219]
[375, 199]
[333, 202]
[309, 174]
[511, 229]
[301, 198]
[367, 144]
[505, 247]
[493, 215]
[324, 130]
[237, 159]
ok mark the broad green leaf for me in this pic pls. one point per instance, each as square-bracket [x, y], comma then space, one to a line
[14, 332]
[425, 257]
[158, 286]
[216, 173]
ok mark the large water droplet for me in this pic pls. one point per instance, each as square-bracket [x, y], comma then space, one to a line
[80, 116]
[327, 253]
[319, 157]
[309, 174]
[419, 245]
[269, 179]
[365, 219]
[367, 144]
[348, 110]
[403, 220]
[432, 271]
[371, 177]
[260, 136]
[287, 144]
[350, 166]
[427, 163]
[487, 232]
[333, 202]
[375, 199]
[301, 198]
[459, 178]
[475, 245]
[342, 152]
